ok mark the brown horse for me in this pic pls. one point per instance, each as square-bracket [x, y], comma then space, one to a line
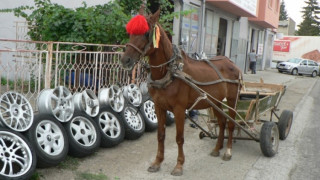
[171, 70]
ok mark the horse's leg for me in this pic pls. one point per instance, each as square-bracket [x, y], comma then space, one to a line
[161, 116]
[227, 155]
[222, 124]
[179, 114]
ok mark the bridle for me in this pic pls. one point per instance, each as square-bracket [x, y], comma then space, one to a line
[146, 49]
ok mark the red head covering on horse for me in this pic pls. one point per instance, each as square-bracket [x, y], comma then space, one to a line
[138, 25]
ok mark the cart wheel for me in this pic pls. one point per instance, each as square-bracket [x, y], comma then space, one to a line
[269, 139]
[284, 124]
[202, 135]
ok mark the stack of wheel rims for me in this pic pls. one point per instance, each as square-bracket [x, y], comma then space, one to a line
[18, 159]
[70, 124]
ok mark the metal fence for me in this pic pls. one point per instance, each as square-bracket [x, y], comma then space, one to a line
[27, 67]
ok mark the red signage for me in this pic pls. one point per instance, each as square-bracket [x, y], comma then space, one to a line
[282, 46]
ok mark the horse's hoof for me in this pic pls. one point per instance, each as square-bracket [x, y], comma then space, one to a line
[176, 172]
[154, 168]
[215, 153]
[226, 157]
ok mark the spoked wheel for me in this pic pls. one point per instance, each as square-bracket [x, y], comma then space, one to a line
[87, 102]
[269, 139]
[170, 118]
[133, 122]
[111, 128]
[49, 140]
[18, 159]
[56, 102]
[132, 94]
[111, 98]
[15, 112]
[84, 136]
[284, 124]
[148, 113]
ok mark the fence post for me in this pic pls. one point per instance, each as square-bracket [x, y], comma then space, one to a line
[48, 66]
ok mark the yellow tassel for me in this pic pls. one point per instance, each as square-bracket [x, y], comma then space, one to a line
[157, 36]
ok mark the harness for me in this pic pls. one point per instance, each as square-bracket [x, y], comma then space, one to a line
[175, 68]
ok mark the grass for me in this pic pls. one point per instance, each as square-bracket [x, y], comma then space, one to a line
[70, 163]
[36, 176]
[89, 176]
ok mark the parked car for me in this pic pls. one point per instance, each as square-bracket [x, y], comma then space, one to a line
[299, 66]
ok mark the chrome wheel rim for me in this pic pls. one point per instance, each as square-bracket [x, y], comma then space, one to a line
[109, 125]
[133, 118]
[148, 108]
[87, 102]
[16, 111]
[50, 138]
[57, 102]
[112, 97]
[144, 88]
[133, 94]
[15, 155]
[83, 131]
[170, 114]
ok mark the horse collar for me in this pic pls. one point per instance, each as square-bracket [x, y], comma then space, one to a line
[175, 63]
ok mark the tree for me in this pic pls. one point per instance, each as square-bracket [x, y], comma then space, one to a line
[310, 24]
[96, 24]
[283, 16]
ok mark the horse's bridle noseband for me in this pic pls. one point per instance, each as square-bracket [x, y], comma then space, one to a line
[146, 48]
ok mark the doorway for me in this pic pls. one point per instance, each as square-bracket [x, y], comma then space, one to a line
[221, 46]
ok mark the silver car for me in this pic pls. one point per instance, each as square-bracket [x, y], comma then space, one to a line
[299, 66]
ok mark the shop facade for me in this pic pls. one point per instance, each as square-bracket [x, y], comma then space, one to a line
[230, 28]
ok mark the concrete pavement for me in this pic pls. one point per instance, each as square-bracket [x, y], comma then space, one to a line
[296, 99]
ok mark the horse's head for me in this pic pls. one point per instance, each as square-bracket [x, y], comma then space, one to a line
[140, 29]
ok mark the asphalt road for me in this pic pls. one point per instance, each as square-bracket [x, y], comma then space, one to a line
[308, 146]
[130, 159]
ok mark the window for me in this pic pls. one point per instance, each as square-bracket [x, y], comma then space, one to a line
[190, 27]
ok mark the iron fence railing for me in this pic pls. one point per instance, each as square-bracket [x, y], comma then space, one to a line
[27, 67]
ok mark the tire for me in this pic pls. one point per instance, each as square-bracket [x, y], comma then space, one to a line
[269, 139]
[284, 124]
[41, 134]
[148, 113]
[279, 71]
[84, 135]
[111, 128]
[170, 118]
[294, 71]
[18, 154]
[134, 125]
[314, 74]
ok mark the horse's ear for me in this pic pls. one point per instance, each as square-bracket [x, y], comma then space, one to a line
[155, 16]
[141, 10]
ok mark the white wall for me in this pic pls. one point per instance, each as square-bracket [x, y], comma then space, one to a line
[8, 25]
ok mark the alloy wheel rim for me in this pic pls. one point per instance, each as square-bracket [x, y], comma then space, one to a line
[50, 138]
[16, 111]
[15, 155]
[83, 131]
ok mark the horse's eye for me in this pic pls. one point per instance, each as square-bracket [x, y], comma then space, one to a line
[146, 35]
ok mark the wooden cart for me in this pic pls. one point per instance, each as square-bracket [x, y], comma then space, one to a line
[256, 107]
